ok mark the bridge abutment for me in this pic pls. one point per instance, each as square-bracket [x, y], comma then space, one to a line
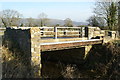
[24, 43]
[35, 52]
[87, 49]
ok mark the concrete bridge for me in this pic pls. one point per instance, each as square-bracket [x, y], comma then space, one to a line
[34, 40]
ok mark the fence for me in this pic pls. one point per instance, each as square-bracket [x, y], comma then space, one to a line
[62, 32]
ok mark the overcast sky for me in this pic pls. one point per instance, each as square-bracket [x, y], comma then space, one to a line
[77, 10]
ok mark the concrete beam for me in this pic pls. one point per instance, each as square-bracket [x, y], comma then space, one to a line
[68, 44]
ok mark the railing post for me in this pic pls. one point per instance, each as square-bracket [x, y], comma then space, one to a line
[42, 33]
[55, 32]
[65, 32]
[80, 32]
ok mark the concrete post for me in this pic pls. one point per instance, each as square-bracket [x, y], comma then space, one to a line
[89, 32]
[80, 32]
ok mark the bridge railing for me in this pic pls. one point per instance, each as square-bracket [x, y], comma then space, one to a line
[56, 32]
[68, 32]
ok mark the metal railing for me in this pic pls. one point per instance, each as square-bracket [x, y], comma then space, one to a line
[56, 32]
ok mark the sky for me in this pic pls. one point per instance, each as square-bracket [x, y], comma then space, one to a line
[78, 11]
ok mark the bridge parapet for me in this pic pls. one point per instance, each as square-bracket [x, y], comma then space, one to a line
[96, 32]
[93, 32]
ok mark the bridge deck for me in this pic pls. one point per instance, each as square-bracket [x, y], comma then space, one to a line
[50, 46]
[49, 40]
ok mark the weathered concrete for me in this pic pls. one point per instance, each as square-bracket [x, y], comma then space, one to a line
[61, 40]
[93, 32]
[68, 44]
[110, 36]
[87, 49]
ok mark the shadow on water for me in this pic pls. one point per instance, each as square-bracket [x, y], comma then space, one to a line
[70, 63]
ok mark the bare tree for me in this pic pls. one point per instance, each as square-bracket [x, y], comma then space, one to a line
[43, 19]
[10, 17]
[30, 22]
[68, 22]
[96, 21]
[107, 9]
[93, 21]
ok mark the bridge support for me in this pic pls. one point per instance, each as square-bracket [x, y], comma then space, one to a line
[25, 45]
[35, 52]
[87, 49]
